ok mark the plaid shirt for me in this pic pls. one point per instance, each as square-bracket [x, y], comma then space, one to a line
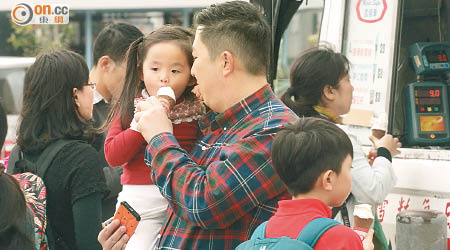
[227, 186]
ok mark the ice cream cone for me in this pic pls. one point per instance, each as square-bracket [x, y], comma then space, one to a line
[379, 125]
[378, 133]
[363, 223]
[362, 220]
[167, 94]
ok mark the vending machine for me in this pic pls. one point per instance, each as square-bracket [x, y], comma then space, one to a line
[426, 100]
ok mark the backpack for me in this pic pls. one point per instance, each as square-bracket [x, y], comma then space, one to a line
[306, 240]
[30, 176]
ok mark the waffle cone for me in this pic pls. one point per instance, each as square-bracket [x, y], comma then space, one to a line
[362, 223]
[378, 133]
[169, 99]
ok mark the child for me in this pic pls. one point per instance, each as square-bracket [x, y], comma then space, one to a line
[160, 59]
[313, 157]
[321, 87]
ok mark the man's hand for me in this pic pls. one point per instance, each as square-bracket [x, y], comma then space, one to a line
[113, 237]
[152, 118]
[367, 242]
[390, 143]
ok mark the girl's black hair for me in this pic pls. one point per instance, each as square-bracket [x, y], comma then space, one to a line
[310, 74]
[137, 51]
[13, 211]
[49, 111]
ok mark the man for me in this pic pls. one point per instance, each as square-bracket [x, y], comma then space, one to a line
[108, 72]
[227, 185]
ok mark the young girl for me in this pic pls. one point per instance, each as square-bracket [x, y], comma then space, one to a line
[320, 87]
[163, 58]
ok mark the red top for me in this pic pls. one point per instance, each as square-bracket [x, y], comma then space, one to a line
[127, 148]
[293, 215]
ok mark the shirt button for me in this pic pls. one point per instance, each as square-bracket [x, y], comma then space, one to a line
[203, 148]
[225, 129]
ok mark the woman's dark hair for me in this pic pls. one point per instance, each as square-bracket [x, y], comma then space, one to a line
[13, 214]
[49, 111]
[303, 150]
[3, 126]
[136, 54]
[311, 72]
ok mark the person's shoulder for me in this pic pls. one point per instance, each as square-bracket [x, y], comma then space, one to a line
[78, 145]
[275, 113]
[76, 151]
[340, 233]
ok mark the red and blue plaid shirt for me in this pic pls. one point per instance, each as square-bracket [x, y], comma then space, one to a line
[227, 186]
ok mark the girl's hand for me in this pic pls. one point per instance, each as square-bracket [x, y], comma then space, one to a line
[390, 143]
[372, 155]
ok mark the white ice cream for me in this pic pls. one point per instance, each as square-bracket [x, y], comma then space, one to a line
[167, 91]
[379, 121]
[363, 211]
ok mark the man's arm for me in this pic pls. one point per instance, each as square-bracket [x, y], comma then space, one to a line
[224, 191]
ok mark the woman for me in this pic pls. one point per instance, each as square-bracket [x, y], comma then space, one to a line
[16, 230]
[320, 87]
[57, 104]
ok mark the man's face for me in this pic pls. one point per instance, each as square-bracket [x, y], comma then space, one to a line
[207, 72]
[114, 79]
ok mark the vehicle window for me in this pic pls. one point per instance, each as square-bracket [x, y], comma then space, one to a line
[301, 34]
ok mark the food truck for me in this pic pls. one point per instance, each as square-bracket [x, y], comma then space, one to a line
[399, 53]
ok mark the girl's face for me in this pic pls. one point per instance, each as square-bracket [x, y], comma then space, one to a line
[166, 64]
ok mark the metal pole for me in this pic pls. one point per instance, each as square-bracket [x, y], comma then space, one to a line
[186, 22]
[88, 36]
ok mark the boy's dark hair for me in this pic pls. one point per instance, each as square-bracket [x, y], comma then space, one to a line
[310, 73]
[240, 28]
[49, 111]
[114, 40]
[302, 150]
[136, 54]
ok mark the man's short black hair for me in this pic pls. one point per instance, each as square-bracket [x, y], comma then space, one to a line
[302, 150]
[238, 27]
[114, 40]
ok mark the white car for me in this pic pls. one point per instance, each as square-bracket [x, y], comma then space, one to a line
[12, 75]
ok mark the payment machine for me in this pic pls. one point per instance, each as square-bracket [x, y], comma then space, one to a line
[426, 101]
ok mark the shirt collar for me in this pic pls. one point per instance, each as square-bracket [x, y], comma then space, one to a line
[98, 97]
[238, 111]
[300, 206]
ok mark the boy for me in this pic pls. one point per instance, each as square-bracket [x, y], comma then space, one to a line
[313, 157]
